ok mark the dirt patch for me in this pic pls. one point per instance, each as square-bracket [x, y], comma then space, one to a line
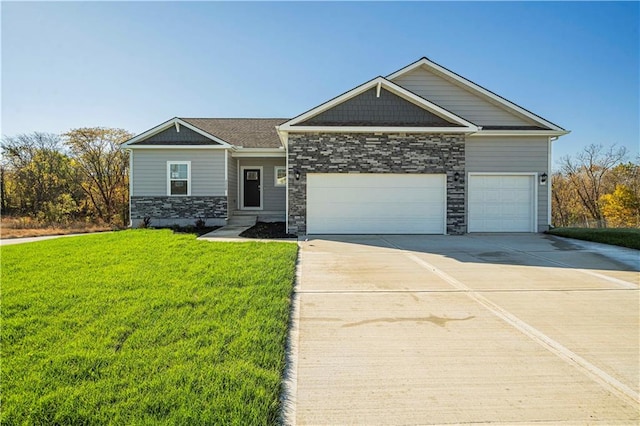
[267, 230]
[26, 227]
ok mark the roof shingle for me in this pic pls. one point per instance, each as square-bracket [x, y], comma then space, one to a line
[244, 132]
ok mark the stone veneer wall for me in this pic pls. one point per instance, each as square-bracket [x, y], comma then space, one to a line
[178, 210]
[377, 153]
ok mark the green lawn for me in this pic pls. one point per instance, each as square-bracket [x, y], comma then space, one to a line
[624, 237]
[143, 327]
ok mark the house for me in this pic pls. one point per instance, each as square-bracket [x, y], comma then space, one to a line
[421, 151]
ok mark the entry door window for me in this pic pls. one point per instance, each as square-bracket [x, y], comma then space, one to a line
[251, 182]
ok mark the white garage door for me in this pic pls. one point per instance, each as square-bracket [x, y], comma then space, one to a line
[501, 203]
[375, 203]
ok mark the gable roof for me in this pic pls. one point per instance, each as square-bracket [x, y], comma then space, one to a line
[304, 122]
[212, 132]
[377, 108]
[478, 90]
[242, 132]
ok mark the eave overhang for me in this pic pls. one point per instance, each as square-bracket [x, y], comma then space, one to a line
[520, 133]
[177, 122]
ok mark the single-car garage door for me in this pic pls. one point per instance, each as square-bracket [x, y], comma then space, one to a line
[376, 203]
[501, 203]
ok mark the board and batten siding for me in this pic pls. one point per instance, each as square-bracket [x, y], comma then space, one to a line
[464, 103]
[512, 155]
[207, 171]
[273, 197]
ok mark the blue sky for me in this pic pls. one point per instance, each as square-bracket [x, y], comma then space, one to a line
[134, 65]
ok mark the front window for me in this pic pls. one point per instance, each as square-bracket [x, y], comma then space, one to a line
[280, 174]
[179, 178]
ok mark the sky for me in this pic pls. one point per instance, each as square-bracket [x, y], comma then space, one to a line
[134, 65]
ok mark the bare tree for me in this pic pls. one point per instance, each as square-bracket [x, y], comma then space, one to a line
[587, 173]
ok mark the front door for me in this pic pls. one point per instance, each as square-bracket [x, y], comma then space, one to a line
[251, 185]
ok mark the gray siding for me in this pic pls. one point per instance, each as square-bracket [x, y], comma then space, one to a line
[513, 154]
[448, 95]
[170, 136]
[150, 171]
[232, 183]
[387, 110]
[273, 197]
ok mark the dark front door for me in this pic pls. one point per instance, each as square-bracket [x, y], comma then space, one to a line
[251, 188]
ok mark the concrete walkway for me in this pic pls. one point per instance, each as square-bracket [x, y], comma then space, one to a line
[11, 241]
[463, 329]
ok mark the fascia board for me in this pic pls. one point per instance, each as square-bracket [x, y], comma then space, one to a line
[180, 147]
[259, 152]
[375, 129]
[520, 133]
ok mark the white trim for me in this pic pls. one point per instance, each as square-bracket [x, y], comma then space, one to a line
[390, 86]
[169, 164]
[373, 129]
[167, 124]
[474, 88]
[533, 175]
[549, 177]
[226, 174]
[286, 197]
[444, 206]
[242, 169]
[378, 87]
[520, 133]
[284, 138]
[177, 127]
[177, 147]
[259, 152]
[275, 176]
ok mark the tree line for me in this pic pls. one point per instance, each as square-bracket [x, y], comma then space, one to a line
[83, 175]
[56, 179]
[597, 188]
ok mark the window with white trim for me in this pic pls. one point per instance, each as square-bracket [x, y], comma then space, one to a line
[280, 175]
[178, 177]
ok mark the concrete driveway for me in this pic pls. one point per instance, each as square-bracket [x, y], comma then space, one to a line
[464, 329]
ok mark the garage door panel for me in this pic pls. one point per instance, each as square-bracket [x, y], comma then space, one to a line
[501, 203]
[363, 195]
[375, 203]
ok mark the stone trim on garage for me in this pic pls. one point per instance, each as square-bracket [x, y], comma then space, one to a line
[376, 153]
[164, 210]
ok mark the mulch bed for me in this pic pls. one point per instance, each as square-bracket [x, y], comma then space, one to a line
[267, 230]
[198, 230]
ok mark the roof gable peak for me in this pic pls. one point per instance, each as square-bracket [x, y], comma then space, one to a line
[297, 123]
[474, 88]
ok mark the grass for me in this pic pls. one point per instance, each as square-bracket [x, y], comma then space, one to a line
[143, 327]
[624, 237]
